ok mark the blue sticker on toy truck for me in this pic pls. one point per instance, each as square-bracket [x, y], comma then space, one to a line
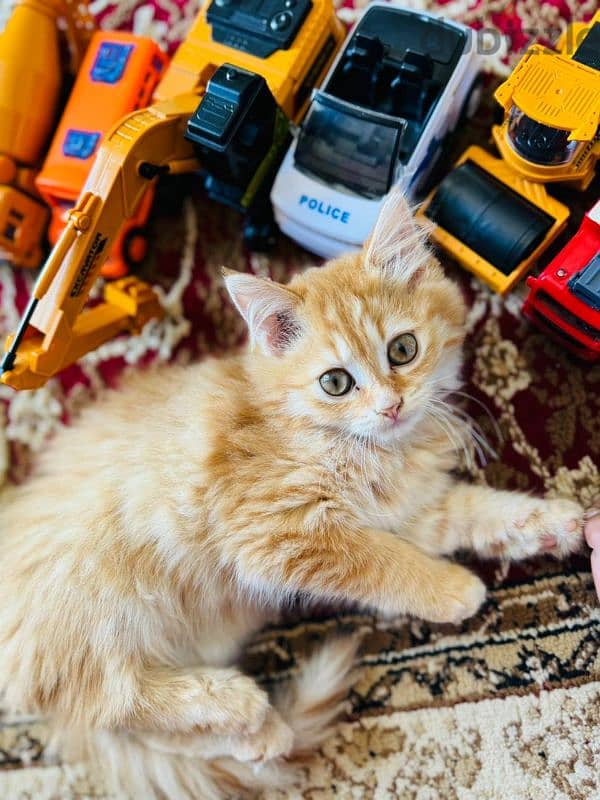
[111, 62]
[80, 144]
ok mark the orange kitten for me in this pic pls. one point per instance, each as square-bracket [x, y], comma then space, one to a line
[179, 515]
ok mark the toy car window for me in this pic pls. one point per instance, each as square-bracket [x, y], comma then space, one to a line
[571, 319]
[402, 28]
[350, 149]
[539, 143]
[586, 284]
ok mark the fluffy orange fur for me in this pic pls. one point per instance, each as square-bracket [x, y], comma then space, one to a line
[180, 514]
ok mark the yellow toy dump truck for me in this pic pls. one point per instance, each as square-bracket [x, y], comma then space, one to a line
[223, 107]
[494, 216]
[33, 45]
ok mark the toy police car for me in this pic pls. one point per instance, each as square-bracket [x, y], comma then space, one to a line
[400, 84]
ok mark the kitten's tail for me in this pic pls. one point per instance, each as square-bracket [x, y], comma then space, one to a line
[312, 702]
[310, 705]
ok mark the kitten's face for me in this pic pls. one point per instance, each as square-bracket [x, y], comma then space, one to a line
[374, 354]
[364, 346]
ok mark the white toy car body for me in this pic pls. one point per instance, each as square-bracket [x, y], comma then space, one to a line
[400, 84]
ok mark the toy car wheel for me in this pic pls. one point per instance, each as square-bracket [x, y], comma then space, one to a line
[472, 100]
[135, 247]
[260, 235]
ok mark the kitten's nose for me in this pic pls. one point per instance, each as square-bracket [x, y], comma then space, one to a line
[392, 412]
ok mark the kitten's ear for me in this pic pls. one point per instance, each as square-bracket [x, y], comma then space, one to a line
[268, 308]
[397, 246]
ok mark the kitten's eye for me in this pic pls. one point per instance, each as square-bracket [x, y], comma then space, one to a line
[402, 349]
[336, 382]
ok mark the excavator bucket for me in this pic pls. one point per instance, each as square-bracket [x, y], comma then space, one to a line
[135, 299]
[128, 305]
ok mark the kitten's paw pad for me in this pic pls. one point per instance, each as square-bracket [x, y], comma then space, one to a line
[236, 705]
[275, 739]
[551, 526]
[460, 595]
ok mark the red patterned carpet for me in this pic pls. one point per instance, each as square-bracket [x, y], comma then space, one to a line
[507, 707]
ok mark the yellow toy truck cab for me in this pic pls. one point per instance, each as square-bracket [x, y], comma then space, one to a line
[223, 107]
[494, 216]
[259, 63]
[552, 113]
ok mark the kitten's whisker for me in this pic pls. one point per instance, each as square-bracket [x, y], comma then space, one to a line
[493, 420]
[437, 382]
[496, 427]
[474, 429]
[444, 424]
[476, 432]
[485, 445]
[471, 441]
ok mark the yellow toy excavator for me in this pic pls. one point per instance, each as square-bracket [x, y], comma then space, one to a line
[243, 74]
[33, 45]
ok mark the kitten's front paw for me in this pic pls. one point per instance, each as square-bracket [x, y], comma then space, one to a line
[273, 740]
[459, 594]
[544, 526]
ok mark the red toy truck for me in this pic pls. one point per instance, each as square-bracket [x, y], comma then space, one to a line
[118, 75]
[564, 300]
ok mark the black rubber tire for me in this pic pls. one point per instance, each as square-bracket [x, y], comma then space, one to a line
[260, 236]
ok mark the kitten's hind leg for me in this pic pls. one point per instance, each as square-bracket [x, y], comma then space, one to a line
[215, 700]
[273, 739]
[500, 524]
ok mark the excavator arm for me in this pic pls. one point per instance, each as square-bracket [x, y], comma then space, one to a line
[55, 329]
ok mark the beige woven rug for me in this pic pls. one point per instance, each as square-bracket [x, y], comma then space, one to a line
[508, 708]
